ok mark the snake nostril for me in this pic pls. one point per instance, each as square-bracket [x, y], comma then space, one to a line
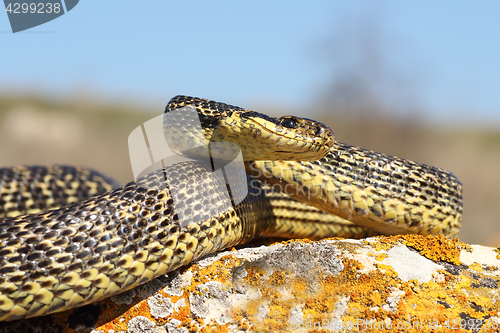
[319, 131]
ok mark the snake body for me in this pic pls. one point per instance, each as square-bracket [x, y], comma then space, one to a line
[92, 248]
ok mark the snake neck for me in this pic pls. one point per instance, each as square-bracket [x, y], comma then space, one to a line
[386, 193]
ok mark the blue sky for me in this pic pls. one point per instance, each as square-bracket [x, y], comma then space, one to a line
[442, 56]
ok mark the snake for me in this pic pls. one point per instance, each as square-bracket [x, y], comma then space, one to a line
[70, 236]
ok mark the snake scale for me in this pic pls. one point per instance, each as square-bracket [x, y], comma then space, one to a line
[103, 241]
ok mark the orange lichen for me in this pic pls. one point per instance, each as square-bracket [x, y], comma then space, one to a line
[437, 248]
[418, 306]
[497, 251]
[475, 266]
[388, 270]
[376, 296]
[254, 273]
[384, 244]
[278, 278]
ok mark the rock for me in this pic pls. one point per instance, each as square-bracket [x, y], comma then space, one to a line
[395, 284]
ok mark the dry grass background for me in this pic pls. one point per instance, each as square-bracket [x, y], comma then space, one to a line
[80, 132]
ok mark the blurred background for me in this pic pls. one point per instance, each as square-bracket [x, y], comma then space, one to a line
[419, 80]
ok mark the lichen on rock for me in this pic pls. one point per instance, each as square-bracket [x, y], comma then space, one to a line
[428, 283]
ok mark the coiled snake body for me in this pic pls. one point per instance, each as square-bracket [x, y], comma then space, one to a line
[95, 247]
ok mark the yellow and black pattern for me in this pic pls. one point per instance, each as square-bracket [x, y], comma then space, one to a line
[385, 193]
[33, 189]
[69, 257]
[91, 248]
[297, 219]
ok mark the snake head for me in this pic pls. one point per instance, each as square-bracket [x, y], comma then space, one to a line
[261, 137]
[307, 130]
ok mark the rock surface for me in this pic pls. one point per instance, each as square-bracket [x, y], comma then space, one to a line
[406, 283]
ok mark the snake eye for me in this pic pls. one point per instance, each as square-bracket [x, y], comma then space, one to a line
[288, 123]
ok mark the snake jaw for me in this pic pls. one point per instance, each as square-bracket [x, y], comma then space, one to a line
[308, 140]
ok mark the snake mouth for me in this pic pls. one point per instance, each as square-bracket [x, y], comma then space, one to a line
[271, 125]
